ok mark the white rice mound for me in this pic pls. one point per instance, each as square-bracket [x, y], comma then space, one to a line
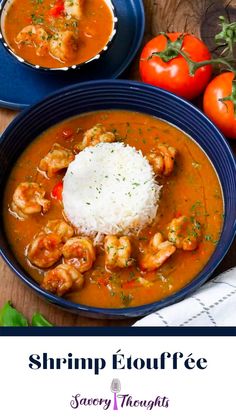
[110, 189]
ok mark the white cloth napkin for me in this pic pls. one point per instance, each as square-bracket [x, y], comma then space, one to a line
[214, 304]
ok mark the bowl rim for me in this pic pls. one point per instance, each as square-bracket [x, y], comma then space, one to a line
[37, 67]
[136, 311]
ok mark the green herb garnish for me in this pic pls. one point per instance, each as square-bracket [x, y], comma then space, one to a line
[9, 316]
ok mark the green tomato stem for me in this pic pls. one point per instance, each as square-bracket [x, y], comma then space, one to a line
[193, 65]
[227, 35]
[231, 97]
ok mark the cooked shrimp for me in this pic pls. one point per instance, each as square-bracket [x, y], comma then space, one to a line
[28, 199]
[63, 46]
[162, 159]
[44, 250]
[184, 232]
[80, 252]
[61, 228]
[117, 252]
[95, 135]
[156, 253]
[36, 36]
[62, 279]
[74, 8]
[57, 159]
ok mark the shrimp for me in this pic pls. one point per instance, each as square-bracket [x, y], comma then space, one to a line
[117, 252]
[184, 232]
[36, 36]
[63, 46]
[28, 199]
[62, 279]
[156, 253]
[80, 252]
[162, 159]
[74, 8]
[57, 159]
[44, 250]
[95, 135]
[61, 228]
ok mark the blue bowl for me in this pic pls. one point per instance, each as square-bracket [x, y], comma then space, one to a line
[134, 96]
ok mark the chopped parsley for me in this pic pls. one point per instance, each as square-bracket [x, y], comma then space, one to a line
[37, 20]
[196, 207]
[209, 238]
[126, 298]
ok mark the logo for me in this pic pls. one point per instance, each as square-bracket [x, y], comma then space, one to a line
[115, 388]
[119, 400]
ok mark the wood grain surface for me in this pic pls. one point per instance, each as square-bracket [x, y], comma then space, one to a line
[196, 16]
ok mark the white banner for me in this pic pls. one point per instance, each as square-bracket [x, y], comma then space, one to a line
[125, 377]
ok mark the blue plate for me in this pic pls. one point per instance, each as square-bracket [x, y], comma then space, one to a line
[21, 86]
[134, 96]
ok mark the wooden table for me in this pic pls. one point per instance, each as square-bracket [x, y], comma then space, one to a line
[196, 16]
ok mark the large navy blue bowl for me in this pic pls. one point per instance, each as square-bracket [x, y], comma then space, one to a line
[109, 94]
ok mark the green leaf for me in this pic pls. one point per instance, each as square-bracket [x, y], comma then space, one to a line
[9, 316]
[39, 321]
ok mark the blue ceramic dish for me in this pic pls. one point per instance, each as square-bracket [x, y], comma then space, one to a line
[4, 8]
[108, 94]
[20, 86]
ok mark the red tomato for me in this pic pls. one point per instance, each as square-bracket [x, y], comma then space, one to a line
[57, 191]
[130, 284]
[177, 214]
[57, 9]
[221, 113]
[67, 133]
[174, 75]
[102, 281]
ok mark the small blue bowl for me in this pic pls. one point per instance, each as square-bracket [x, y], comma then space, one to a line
[134, 96]
[4, 8]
